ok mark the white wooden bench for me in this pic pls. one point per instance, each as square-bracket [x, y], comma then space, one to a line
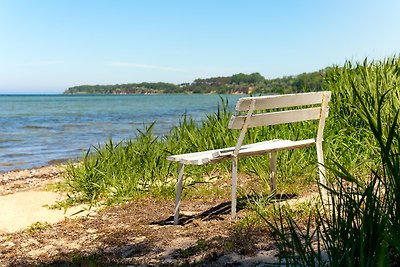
[257, 112]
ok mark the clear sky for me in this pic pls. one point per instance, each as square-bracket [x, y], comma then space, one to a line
[47, 46]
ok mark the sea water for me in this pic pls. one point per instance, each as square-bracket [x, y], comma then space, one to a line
[36, 130]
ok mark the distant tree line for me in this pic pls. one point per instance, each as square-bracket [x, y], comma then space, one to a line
[240, 83]
[130, 88]
[313, 81]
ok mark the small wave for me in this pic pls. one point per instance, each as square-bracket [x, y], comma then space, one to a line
[14, 155]
[36, 127]
[10, 140]
[73, 125]
[11, 164]
[61, 161]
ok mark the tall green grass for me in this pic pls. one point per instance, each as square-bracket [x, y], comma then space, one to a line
[135, 167]
[116, 172]
[361, 224]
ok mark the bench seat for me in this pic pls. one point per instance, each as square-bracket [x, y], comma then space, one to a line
[216, 155]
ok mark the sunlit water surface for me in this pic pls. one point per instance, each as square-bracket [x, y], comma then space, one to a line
[39, 129]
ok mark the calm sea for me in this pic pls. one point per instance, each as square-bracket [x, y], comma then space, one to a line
[38, 129]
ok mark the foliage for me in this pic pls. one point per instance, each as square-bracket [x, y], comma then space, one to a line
[253, 83]
[304, 82]
[37, 226]
[132, 88]
[243, 78]
[360, 225]
[121, 171]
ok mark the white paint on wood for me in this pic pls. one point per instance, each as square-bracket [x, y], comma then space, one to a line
[321, 167]
[178, 192]
[209, 153]
[275, 118]
[272, 172]
[245, 151]
[243, 127]
[280, 101]
[234, 188]
[324, 114]
[319, 139]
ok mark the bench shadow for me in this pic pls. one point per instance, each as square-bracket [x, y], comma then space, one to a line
[217, 212]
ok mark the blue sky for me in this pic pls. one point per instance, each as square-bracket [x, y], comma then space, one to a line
[47, 46]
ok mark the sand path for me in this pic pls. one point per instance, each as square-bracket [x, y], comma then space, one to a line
[23, 209]
[25, 199]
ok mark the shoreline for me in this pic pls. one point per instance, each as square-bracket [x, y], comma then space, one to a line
[58, 162]
[26, 179]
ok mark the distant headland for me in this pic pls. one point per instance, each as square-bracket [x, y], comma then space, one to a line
[240, 83]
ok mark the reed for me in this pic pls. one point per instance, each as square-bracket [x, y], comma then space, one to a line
[361, 224]
[135, 167]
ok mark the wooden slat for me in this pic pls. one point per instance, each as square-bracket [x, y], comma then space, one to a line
[202, 154]
[281, 101]
[272, 172]
[273, 145]
[204, 157]
[274, 118]
[262, 148]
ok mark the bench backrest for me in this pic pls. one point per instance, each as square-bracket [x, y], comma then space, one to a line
[262, 104]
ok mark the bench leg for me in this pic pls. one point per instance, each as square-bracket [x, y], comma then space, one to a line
[321, 167]
[234, 188]
[272, 174]
[178, 192]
